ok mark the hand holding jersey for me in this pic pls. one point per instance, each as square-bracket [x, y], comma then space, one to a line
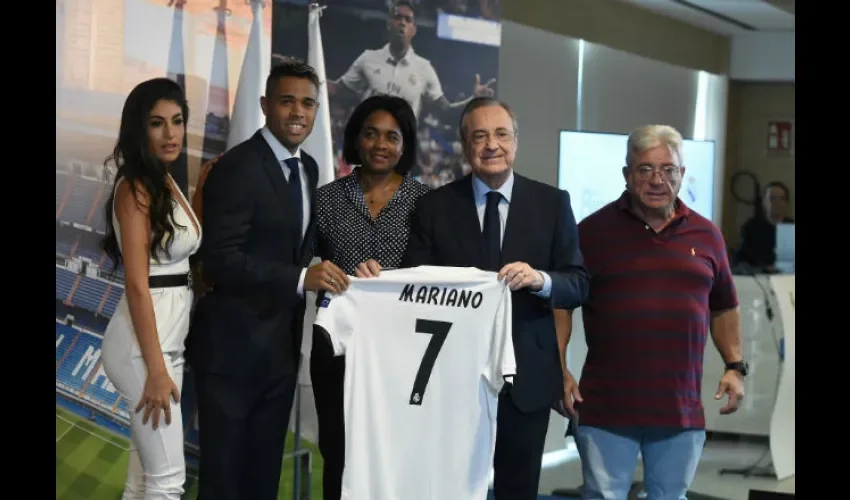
[325, 276]
[519, 275]
[369, 269]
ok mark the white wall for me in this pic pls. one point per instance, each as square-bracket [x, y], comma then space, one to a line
[553, 82]
[538, 78]
[763, 56]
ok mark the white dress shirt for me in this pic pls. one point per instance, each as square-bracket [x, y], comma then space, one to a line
[282, 154]
[479, 191]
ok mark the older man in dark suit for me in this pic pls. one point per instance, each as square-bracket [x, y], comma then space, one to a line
[497, 220]
[246, 337]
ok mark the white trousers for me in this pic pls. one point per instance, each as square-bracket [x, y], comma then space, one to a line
[157, 466]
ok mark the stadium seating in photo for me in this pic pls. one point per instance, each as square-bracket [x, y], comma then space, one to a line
[80, 377]
[92, 294]
[79, 200]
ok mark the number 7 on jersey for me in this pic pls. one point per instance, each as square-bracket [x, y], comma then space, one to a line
[438, 330]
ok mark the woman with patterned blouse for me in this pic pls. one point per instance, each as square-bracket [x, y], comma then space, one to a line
[364, 215]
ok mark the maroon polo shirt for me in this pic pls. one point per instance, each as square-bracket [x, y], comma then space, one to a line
[647, 318]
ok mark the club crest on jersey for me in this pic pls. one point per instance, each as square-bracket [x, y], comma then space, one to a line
[325, 302]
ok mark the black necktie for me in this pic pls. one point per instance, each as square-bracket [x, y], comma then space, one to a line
[295, 190]
[492, 232]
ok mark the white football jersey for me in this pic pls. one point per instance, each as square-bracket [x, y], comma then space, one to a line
[427, 351]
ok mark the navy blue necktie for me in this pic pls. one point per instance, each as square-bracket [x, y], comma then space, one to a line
[492, 232]
[295, 190]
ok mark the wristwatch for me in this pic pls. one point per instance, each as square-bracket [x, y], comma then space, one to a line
[741, 367]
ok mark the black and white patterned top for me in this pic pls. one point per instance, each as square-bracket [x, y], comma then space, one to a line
[346, 233]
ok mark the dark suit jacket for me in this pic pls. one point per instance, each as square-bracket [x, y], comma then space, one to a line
[540, 230]
[250, 324]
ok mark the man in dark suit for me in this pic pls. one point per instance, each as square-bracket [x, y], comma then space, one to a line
[246, 337]
[498, 220]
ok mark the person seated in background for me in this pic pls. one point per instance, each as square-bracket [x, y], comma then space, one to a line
[758, 234]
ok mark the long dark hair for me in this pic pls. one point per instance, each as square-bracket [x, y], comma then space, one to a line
[135, 163]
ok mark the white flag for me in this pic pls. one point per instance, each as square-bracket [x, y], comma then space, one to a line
[319, 144]
[176, 62]
[247, 116]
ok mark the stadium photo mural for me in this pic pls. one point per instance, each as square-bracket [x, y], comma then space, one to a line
[103, 50]
[436, 54]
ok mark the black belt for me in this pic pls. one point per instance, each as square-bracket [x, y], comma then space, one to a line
[168, 280]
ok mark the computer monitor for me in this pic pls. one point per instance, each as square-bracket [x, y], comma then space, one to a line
[785, 247]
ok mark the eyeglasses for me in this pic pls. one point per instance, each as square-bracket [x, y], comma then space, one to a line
[668, 172]
[502, 136]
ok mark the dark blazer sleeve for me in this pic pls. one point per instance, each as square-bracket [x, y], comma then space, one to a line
[229, 206]
[570, 278]
[420, 245]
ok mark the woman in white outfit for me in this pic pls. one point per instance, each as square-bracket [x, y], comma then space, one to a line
[152, 231]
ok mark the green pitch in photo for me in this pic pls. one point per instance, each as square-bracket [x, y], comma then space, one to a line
[91, 463]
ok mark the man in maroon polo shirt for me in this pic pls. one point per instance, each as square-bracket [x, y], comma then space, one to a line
[660, 281]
